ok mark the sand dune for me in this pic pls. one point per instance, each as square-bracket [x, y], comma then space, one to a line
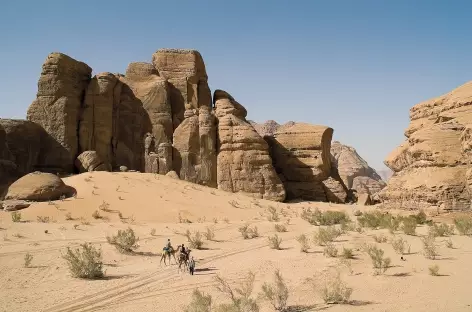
[139, 283]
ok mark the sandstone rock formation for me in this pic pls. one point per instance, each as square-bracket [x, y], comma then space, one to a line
[13, 205]
[37, 186]
[172, 174]
[431, 166]
[89, 161]
[61, 89]
[244, 163]
[8, 169]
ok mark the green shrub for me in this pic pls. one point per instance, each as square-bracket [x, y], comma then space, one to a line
[199, 303]
[273, 214]
[28, 258]
[280, 228]
[304, 243]
[380, 238]
[195, 240]
[240, 297]
[347, 253]
[400, 246]
[463, 225]
[209, 234]
[85, 262]
[329, 217]
[441, 229]
[334, 290]
[125, 241]
[248, 232]
[409, 225]
[380, 263]
[274, 242]
[434, 270]
[330, 250]
[43, 219]
[325, 235]
[276, 294]
[429, 247]
[16, 216]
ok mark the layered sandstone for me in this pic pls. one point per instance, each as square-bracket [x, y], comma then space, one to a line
[244, 163]
[431, 166]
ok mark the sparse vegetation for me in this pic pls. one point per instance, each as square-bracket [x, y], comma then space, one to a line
[153, 232]
[215, 220]
[409, 225]
[429, 247]
[400, 245]
[27, 260]
[304, 243]
[85, 262]
[181, 219]
[280, 228]
[195, 240]
[69, 216]
[441, 229]
[18, 235]
[371, 220]
[43, 219]
[330, 250]
[330, 217]
[84, 222]
[421, 218]
[347, 253]
[380, 238]
[104, 206]
[357, 213]
[200, 302]
[209, 234]
[248, 232]
[226, 220]
[125, 241]
[277, 293]
[234, 203]
[96, 215]
[325, 235]
[16, 216]
[434, 270]
[273, 214]
[379, 262]
[240, 297]
[274, 242]
[463, 225]
[334, 290]
[449, 244]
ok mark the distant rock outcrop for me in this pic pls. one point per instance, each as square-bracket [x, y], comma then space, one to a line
[89, 161]
[431, 168]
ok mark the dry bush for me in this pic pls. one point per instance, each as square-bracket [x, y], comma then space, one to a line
[183, 220]
[195, 240]
[371, 220]
[329, 217]
[16, 216]
[226, 220]
[277, 293]
[69, 216]
[18, 235]
[429, 247]
[234, 203]
[85, 262]
[380, 238]
[274, 242]
[463, 225]
[215, 220]
[273, 214]
[84, 222]
[28, 258]
[325, 235]
[96, 215]
[104, 206]
[449, 244]
[240, 297]
[421, 218]
[333, 290]
[400, 245]
[43, 219]
[153, 232]
[346, 262]
[280, 228]
[347, 227]
[330, 251]
[304, 243]
[379, 263]
[441, 229]
[199, 303]
[347, 253]
[209, 234]
[409, 225]
[125, 241]
[248, 232]
[434, 270]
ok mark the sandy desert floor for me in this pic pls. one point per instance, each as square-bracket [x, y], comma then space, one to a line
[139, 283]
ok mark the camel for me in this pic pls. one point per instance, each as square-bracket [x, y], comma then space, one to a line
[172, 253]
[183, 259]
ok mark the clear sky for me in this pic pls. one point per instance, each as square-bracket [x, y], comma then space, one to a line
[355, 65]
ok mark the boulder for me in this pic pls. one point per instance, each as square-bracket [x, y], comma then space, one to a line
[123, 168]
[172, 174]
[61, 90]
[364, 199]
[14, 205]
[244, 163]
[38, 186]
[89, 161]
[431, 166]
[301, 154]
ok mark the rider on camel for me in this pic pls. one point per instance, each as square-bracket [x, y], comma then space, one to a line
[185, 251]
[168, 246]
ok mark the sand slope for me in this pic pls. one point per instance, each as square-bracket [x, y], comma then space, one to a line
[139, 283]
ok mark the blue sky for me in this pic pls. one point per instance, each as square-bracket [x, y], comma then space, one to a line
[355, 65]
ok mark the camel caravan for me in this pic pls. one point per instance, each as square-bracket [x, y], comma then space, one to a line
[183, 255]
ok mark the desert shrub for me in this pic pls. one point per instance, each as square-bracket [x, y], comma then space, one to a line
[16, 216]
[215, 220]
[380, 238]
[347, 253]
[248, 232]
[240, 297]
[325, 235]
[409, 225]
[43, 219]
[434, 270]
[28, 258]
[357, 213]
[304, 243]
[429, 247]
[400, 245]
[391, 223]
[347, 263]
[421, 217]
[334, 290]
[441, 229]
[463, 225]
[330, 251]
[96, 215]
[329, 217]
[125, 241]
[274, 242]
[183, 220]
[199, 303]
[104, 206]
[379, 263]
[226, 220]
[69, 216]
[371, 220]
[280, 228]
[273, 214]
[209, 234]
[85, 262]
[449, 243]
[195, 240]
[347, 226]
[277, 293]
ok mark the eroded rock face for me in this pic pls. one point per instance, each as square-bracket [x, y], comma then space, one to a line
[244, 163]
[89, 161]
[354, 170]
[61, 90]
[8, 170]
[38, 186]
[431, 165]
[301, 154]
